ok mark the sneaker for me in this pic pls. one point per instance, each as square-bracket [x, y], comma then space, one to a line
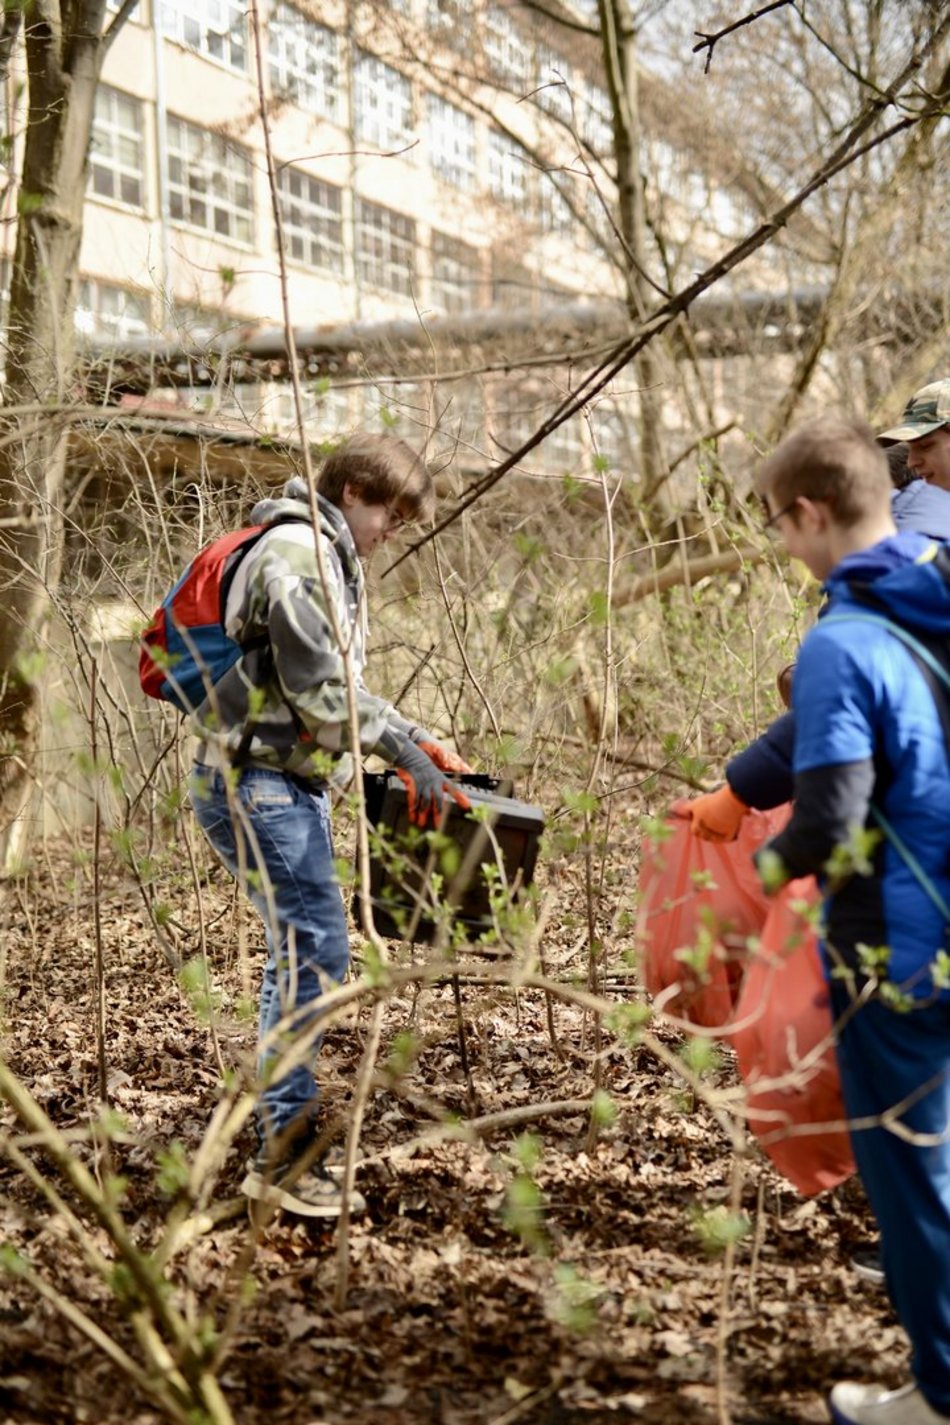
[867, 1265]
[308, 1192]
[870, 1405]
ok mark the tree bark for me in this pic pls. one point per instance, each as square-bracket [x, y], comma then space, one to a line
[619, 42]
[64, 52]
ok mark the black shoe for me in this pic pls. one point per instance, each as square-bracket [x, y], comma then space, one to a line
[308, 1192]
[867, 1265]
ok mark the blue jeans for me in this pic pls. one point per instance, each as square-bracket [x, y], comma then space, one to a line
[888, 1059]
[278, 846]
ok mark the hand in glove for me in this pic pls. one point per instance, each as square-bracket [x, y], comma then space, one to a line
[443, 757]
[425, 786]
[715, 816]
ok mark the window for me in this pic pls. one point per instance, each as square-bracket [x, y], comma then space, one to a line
[104, 310]
[312, 213]
[209, 182]
[401, 408]
[517, 411]
[304, 62]
[598, 125]
[508, 169]
[385, 248]
[326, 411]
[452, 21]
[554, 78]
[505, 49]
[564, 451]
[451, 135]
[116, 158]
[194, 325]
[212, 27]
[520, 406]
[456, 284]
[612, 429]
[383, 101]
[554, 194]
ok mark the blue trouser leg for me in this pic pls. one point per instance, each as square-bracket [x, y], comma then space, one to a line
[281, 836]
[888, 1059]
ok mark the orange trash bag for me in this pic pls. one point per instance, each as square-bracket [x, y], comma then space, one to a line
[781, 1033]
[699, 902]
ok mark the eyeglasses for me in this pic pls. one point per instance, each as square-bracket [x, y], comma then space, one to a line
[773, 520]
[395, 519]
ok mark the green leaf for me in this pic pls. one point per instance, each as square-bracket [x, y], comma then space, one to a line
[717, 1227]
[599, 606]
[703, 1056]
[173, 1169]
[603, 1110]
[13, 1261]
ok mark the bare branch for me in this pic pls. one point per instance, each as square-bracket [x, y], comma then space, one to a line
[561, 18]
[709, 41]
[117, 21]
[847, 153]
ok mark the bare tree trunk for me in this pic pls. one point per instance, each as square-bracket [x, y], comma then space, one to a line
[64, 51]
[619, 42]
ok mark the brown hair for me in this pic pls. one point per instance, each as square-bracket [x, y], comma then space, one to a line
[383, 470]
[831, 459]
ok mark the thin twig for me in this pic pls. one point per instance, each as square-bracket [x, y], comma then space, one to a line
[709, 41]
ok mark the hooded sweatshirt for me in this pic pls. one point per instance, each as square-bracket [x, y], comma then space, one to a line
[761, 774]
[283, 704]
[869, 728]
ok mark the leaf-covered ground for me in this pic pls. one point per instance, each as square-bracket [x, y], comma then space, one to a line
[611, 1309]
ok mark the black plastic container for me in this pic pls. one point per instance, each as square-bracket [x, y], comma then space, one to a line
[515, 828]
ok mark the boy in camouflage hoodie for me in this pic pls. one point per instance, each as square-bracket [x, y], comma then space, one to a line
[274, 731]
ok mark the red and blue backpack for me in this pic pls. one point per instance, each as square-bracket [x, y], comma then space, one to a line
[185, 649]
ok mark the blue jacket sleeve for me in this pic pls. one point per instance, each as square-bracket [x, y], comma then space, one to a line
[762, 775]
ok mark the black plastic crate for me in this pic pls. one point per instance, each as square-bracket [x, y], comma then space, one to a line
[515, 831]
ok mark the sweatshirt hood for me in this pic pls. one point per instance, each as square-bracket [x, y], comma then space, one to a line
[293, 503]
[906, 575]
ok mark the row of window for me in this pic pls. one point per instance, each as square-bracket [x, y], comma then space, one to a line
[200, 161]
[306, 63]
[457, 280]
[476, 416]
[210, 186]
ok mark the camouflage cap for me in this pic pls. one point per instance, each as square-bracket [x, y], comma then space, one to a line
[928, 409]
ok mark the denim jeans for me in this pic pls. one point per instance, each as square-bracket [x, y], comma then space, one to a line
[888, 1059]
[278, 846]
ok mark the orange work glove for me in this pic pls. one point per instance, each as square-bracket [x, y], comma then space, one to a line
[715, 816]
[426, 788]
[444, 758]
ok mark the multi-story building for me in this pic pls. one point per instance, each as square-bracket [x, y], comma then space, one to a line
[430, 158]
[433, 161]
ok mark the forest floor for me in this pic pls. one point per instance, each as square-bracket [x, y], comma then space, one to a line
[614, 1311]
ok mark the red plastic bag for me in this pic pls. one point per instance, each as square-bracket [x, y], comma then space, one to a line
[699, 903]
[781, 1032]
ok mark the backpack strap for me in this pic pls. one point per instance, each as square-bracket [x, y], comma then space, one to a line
[250, 727]
[933, 668]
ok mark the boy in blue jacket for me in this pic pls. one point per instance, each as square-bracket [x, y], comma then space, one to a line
[761, 775]
[871, 756]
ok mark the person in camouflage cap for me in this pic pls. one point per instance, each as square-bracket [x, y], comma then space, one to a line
[925, 428]
[274, 732]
